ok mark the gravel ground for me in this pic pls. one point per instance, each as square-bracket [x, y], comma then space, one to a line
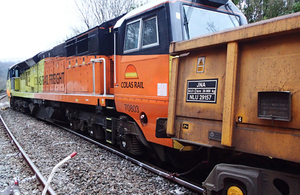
[92, 171]
[12, 165]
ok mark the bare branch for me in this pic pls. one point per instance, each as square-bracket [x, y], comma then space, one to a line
[94, 12]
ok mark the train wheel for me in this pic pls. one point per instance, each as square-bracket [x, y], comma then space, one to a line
[91, 131]
[74, 124]
[98, 132]
[22, 109]
[16, 105]
[131, 144]
[83, 126]
[234, 188]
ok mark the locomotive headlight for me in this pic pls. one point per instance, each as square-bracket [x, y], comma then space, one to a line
[143, 119]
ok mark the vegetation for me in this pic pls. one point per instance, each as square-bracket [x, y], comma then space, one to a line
[94, 12]
[3, 73]
[256, 10]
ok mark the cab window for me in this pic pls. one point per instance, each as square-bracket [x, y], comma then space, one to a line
[132, 36]
[198, 21]
[150, 35]
[142, 33]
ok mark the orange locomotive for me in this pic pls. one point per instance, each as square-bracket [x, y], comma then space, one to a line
[113, 80]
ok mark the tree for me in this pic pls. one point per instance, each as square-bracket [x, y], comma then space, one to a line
[3, 72]
[296, 6]
[94, 12]
[256, 10]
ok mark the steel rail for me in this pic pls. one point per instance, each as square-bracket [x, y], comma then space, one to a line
[3, 96]
[164, 174]
[28, 160]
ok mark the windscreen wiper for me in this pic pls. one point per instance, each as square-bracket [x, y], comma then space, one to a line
[236, 17]
[186, 18]
[186, 24]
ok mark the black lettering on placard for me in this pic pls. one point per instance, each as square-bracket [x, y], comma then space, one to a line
[202, 91]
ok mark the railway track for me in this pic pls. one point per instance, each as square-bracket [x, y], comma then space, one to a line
[170, 176]
[95, 170]
[2, 96]
[14, 188]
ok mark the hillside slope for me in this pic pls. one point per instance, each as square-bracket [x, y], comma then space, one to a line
[3, 73]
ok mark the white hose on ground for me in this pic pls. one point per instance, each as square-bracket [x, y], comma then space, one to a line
[54, 169]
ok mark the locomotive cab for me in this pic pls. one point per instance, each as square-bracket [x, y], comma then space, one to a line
[142, 56]
[13, 82]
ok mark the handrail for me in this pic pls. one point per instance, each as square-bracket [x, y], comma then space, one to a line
[104, 73]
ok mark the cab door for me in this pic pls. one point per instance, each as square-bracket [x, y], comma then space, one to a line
[143, 70]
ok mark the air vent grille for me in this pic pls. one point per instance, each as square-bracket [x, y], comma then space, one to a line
[274, 105]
